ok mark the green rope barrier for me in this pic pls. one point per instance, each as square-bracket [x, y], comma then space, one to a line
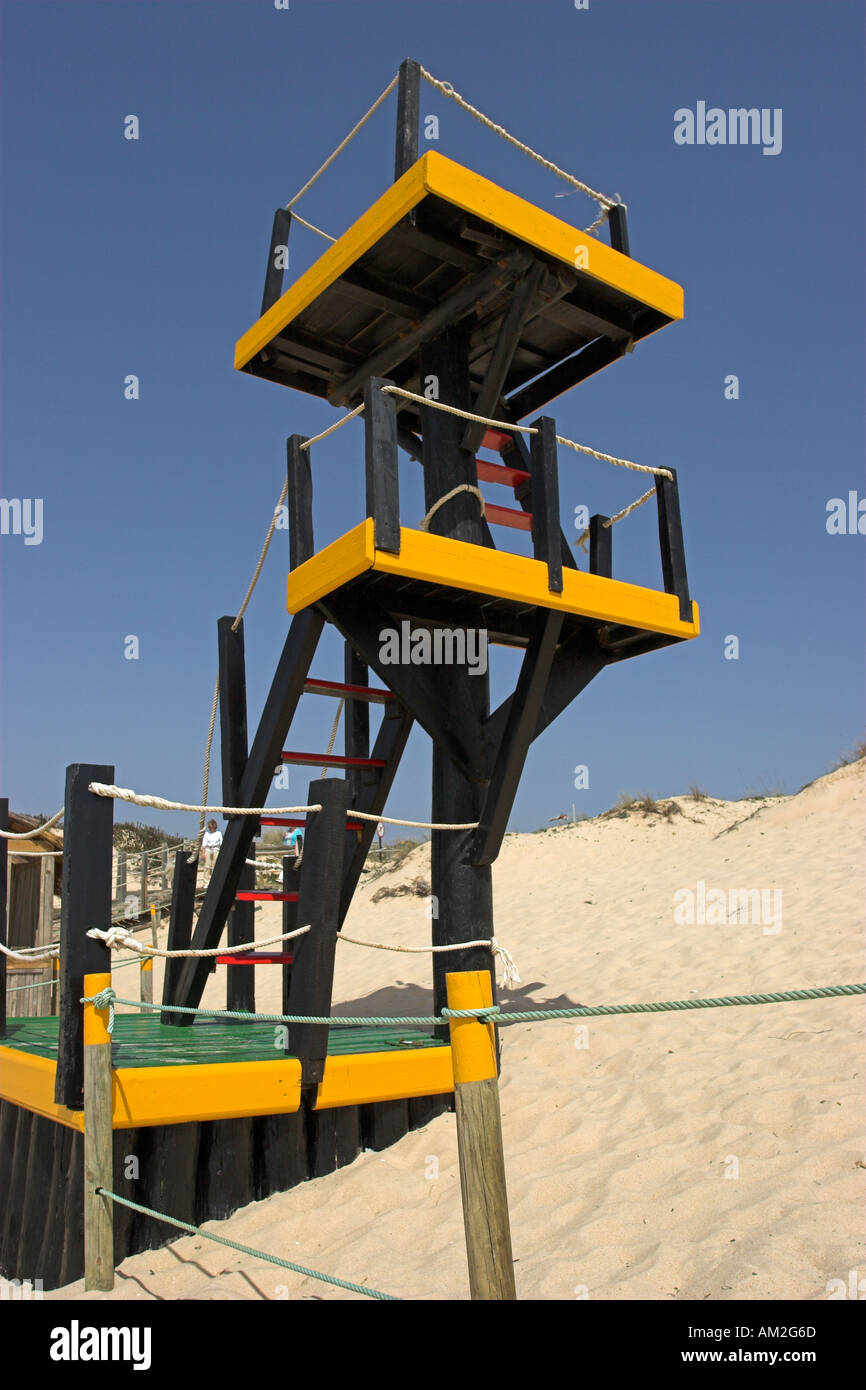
[248, 1250]
[493, 1014]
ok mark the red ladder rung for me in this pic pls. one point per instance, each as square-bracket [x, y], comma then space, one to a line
[507, 516]
[496, 439]
[358, 692]
[257, 958]
[500, 473]
[255, 895]
[330, 760]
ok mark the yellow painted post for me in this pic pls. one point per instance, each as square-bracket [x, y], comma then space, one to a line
[98, 1137]
[479, 1140]
[147, 979]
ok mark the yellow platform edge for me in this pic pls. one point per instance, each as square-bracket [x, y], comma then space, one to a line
[145, 1096]
[435, 173]
[496, 573]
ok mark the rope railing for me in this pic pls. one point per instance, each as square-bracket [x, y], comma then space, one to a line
[36, 830]
[106, 999]
[248, 1249]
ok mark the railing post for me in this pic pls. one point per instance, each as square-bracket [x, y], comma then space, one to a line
[121, 875]
[278, 258]
[479, 1140]
[85, 904]
[4, 879]
[380, 452]
[408, 116]
[600, 546]
[240, 980]
[546, 543]
[318, 908]
[98, 1139]
[618, 223]
[143, 899]
[179, 926]
[163, 869]
[671, 542]
[299, 497]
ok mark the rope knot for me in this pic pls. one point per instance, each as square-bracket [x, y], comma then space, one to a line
[510, 976]
[104, 1000]
[117, 937]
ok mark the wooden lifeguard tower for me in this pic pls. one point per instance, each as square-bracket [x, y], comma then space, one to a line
[449, 298]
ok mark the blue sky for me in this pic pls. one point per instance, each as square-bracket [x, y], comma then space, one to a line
[147, 257]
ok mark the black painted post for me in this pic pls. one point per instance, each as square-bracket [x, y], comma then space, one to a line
[300, 500]
[179, 926]
[319, 908]
[85, 903]
[380, 452]
[671, 543]
[291, 881]
[278, 258]
[601, 546]
[408, 116]
[546, 537]
[462, 893]
[618, 223]
[4, 871]
[357, 722]
[240, 980]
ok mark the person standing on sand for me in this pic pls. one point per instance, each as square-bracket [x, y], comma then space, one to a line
[211, 841]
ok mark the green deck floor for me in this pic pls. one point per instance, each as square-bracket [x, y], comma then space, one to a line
[142, 1041]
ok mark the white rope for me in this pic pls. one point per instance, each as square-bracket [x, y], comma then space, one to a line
[30, 953]
[36, 853]
[343, 143]
[632, 507]
[334, 729]
[312, 227]
[118, 938]
[159, 803]
[37, 829]
[338, 425]
[526, 429]
[510, 976]
[605, 203]
[462, 487]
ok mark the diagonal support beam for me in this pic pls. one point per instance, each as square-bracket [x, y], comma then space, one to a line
[507, 340]
[578, 660]
[435, 700]
[372, 794]
[519, 731]
[280, 705]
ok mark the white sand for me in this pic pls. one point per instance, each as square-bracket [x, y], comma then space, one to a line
[617, 1152]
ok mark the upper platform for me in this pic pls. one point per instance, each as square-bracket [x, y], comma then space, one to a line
[443, 245]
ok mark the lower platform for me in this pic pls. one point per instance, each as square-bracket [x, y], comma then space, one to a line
[220, 1071]
[430, 568]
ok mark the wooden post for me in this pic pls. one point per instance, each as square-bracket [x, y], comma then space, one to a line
[86, 903]
[121, 875]
[318, 907]
[545, 501]
[291, 881]
[671, 543]
[601, 546]
[479, 1140]
[179, 926]
[300, 501]
[278, 257]
[380, 441]
[240, 980]
[98, 1142]
[143, 903]
[146, 971]
[462, 893]
[4, 868]
[408, 116]
[164, 869]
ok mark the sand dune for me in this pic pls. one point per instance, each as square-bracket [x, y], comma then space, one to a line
[714, 1155]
